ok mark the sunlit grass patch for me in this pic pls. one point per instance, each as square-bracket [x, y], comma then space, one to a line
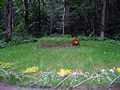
[87, 55]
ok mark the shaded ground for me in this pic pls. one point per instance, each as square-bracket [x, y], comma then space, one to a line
[80, 88]
[18, 88]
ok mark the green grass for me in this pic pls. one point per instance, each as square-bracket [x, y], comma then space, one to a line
[85, 57]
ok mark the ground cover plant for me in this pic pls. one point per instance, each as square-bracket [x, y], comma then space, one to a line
[93, 62]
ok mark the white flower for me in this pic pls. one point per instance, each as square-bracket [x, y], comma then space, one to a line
[103, 71]
[75, 74]
[111, 71]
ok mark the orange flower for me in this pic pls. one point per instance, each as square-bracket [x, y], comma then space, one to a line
[18, 66]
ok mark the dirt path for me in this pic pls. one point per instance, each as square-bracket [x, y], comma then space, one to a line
[19, 88]
[2, 87]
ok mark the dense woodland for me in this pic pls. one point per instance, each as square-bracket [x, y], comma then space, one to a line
[37, 18]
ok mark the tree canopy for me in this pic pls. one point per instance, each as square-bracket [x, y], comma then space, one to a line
[93, 18]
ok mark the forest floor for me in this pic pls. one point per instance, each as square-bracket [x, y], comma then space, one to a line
[79, 88]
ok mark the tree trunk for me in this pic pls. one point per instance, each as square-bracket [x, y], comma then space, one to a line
[26, 14]
[8, 36]
[51, 15]
[51, 24]
[39, 14]
[63, 17]
[102, 34]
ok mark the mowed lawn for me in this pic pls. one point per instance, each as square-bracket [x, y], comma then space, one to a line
[87, 56]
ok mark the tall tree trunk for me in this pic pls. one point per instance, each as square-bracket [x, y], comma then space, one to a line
[51, 15]
[8, 36]
[63, 16]
[51, 24]
[102, 34]
[26, 15]
[39, 14]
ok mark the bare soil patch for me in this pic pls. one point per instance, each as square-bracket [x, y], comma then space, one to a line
[55, 44]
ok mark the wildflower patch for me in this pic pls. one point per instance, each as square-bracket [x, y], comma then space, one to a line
[63, 77]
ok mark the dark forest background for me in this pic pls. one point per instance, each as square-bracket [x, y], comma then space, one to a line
[37, 18]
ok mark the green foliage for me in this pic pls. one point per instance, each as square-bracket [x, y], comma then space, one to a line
[2, 5]
[18, 39]
[2, 44]
[83, 17]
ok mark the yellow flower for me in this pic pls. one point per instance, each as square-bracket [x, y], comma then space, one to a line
[118, 70]
[5, 65]
[32, 70]
[68, 72]
[64, 72]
